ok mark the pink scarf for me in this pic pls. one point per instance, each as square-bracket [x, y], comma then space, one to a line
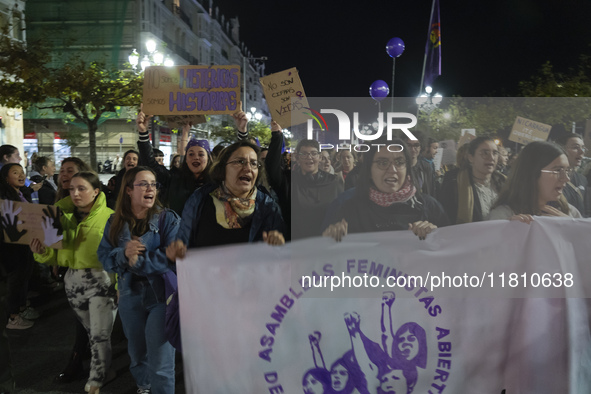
[386, 199]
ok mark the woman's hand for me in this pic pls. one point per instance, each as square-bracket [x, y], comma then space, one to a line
[275, 126]
[549, 210]
[36, 246]
[337, 230]
[240, 119]
[133, 249]
[142, 121]
[273, 237]
[522, 218]
[421, 229]
[176, 250]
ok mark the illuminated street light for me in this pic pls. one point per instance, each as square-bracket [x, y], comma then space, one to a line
[145, 63]
[151, 46]
[428, 102]
[158, 58]
[134, 59]
[168, 62]
[153, 58]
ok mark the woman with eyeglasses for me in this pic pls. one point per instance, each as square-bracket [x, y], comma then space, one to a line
[536, 185]
[231, 209]
[134, 246]
[386, 198]
[576, 191]
[468, 195]
[89, 288]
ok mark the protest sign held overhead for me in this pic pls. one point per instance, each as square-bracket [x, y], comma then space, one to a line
[525, 131]
[285, 97]
[178, 121]
[23, 221]
[191, 90]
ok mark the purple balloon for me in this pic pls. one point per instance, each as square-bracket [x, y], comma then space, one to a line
[395, 47]
[379, 90]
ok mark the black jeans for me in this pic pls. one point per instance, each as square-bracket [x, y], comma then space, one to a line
[19, 267]
[6, 377]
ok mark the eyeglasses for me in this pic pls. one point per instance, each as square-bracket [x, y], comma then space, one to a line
[568, 172]
[313, 154]
[414, 146]
[486, 153]
[384, 164]
[577, 147]
[144, 185]
[255, 164]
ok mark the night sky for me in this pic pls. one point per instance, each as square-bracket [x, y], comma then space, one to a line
[487, 47]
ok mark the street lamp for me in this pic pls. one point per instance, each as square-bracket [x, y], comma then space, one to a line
[428, 102]
[254, 114]
[153, 58]
[134, 59]
[244, 59]
[151, 46]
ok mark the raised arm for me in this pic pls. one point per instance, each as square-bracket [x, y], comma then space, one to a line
[368, 368]
[145, 148]
[387, 329]
[181, 143]
[273, 161]
[241, 122]
[316, 352]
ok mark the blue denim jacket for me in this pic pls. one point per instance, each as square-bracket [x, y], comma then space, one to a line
[152, 263]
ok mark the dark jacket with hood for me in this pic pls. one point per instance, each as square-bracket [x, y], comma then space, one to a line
[176, 187]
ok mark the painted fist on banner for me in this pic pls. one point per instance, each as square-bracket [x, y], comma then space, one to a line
[352, 320]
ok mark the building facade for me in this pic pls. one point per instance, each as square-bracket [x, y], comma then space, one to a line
[186, 31]
[11, 122]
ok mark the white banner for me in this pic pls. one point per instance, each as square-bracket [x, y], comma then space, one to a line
[249, 326]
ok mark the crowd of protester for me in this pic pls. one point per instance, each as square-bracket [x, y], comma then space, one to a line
[120, 238]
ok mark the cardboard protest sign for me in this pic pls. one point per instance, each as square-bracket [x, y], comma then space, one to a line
[23, 221]
[191, 90]
[178, 121]
[465, 139]
[285, 97]
[448, 154]
[437, 159]
[525, 131]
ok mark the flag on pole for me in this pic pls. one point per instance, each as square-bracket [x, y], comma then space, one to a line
[433, 48]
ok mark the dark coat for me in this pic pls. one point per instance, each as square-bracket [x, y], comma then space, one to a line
[311, 196]
[577, 194]
[449, 194]
[176, 187]
[266, 216]
[362, 215]
[279, 179]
